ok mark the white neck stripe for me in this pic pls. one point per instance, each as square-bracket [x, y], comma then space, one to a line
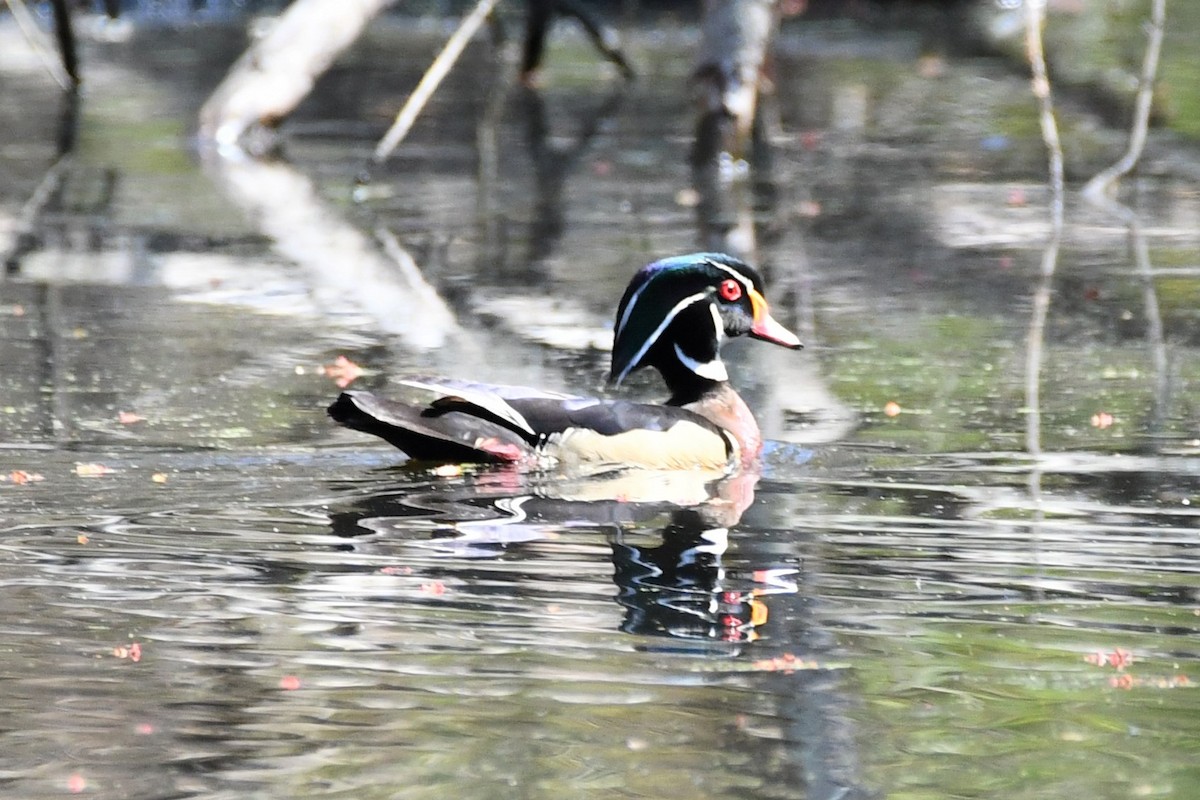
[662, 326]
[713, 370]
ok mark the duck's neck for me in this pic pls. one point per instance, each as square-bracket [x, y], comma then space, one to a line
[721, 405]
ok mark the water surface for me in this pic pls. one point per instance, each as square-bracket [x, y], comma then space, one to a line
[963, 572]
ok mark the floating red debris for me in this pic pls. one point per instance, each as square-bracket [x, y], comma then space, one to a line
[808, 209]
[343, 371]
[785, 663]
[1102, 420]
[435, 588]
[133, 652]
[892, 409]
[20, 477]
[76, 783]
[289, 683]
[129, 418]
[1124, 681]
[1120, 659]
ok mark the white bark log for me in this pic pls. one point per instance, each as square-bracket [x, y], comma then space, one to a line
[279, 70]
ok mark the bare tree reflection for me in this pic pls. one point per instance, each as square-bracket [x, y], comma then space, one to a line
[555, 158]
[344, 265]
[1100, 192]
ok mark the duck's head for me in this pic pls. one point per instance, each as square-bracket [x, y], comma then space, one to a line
[676, 312]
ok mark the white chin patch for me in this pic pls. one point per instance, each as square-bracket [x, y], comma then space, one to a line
[712, 370]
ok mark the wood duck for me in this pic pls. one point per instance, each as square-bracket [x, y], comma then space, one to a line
[674, 316]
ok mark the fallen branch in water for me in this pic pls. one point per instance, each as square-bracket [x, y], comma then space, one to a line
[279, 70]
[35, 37]
[432, 78]
[1099, 186]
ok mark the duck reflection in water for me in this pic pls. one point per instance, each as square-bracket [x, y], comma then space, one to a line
[668, 533]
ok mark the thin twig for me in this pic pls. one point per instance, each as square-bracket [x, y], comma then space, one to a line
[1035, 14]
[432, 79]
[1098, 186]
[1034, 19]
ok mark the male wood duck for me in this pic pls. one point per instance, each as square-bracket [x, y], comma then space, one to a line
[674, 316]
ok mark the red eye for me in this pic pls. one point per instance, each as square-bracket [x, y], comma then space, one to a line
[730, 290]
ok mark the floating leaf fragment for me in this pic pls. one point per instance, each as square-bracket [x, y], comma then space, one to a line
[129, 418]
[434, 588]
[784, 663]
[82, 539]
[159, 477]
[133, 652]
[91, 470]
[892, 409]
[1120, 659]
[1124, 681]
[808, 209]
[343, 371]
[20, 477]
[1102, 420]
[447, 471]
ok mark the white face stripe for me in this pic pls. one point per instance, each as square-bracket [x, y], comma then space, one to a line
[739, 277]
[713, 370]
[632, 302]
[662, 326]
[718, 324]
[733, 273]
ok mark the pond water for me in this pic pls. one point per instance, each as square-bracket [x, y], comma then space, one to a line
[969, 568]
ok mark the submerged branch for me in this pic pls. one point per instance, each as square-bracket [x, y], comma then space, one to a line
[37, 42]
[432, 78]
[1099, 185]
